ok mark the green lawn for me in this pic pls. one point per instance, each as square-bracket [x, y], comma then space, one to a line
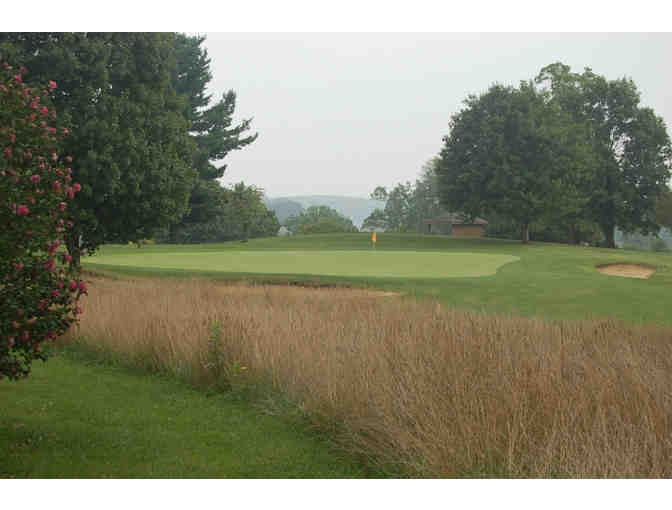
[71, 419]
[543, 279]
[375, 264]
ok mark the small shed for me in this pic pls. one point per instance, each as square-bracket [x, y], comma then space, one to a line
[284, 231]
[455, 224]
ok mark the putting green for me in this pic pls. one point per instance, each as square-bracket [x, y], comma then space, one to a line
[399, 264]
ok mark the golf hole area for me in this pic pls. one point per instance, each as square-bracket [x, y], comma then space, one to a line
[354, 263]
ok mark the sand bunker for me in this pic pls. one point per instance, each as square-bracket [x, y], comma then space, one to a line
[627, 270]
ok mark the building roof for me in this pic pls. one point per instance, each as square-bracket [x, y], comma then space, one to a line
[454, 219]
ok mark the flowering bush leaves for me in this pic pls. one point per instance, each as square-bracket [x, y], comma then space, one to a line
[38, 298]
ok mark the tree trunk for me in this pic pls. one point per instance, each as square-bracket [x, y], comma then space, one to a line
[525, 233]
[608, 231]
[571, 234]
[72, 243]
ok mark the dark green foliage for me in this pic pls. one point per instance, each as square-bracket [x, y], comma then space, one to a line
[630, 149]
[407, 205]
[130, 144]
[212, 132]
[512, 153]
[319, 219]
[376, 221]
[239, 214]
[664, 209]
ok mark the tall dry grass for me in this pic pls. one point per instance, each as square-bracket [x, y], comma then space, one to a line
[446, 393]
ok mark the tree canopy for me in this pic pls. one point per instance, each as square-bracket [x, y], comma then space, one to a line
[407, 204]
[510, 152]
[629, 146]
[579, 151]
[239, 213]
[130, 144]
[211, 128]
[319, 219]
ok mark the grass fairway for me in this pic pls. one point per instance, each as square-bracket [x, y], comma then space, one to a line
[71, 419]
[359, 263]
[548, 280]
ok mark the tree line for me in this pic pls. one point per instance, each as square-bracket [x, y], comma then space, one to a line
[571, 155]
[144, 137]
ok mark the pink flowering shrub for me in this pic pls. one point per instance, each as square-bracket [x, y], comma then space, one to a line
[38, 298]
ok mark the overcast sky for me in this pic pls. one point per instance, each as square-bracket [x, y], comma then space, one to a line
[344, 113]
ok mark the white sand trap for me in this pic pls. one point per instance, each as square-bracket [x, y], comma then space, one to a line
[627, 270]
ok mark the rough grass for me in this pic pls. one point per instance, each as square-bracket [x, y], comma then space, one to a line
[439, 392]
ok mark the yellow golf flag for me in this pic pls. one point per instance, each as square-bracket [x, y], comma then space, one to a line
[373, 238]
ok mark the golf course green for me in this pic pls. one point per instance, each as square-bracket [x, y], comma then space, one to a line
[490, 275]
[388, 264]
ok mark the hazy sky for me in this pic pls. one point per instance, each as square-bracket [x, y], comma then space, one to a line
[344, 113]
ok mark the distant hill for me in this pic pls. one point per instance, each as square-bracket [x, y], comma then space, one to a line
[284, 208]
[357, 209]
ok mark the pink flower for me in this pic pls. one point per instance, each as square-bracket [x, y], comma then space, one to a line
[82, 286]
[57, 185]
[22, 210]
[18, 266]
[78, 310]
[17, 78]
[8, 152]
[70, 192]
[52, 85]
[35, 178]
[55, 293]
[62, 206]
[54, 156]
[44, 111]
[73, 285]
[68, 258]
[77, 186]
[26, 335]
[49, 266]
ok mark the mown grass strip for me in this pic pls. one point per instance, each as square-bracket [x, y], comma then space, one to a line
[76, 419]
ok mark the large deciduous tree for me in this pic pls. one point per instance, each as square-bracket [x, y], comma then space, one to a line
[510, 152]
[131, 149]
[629, 144]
